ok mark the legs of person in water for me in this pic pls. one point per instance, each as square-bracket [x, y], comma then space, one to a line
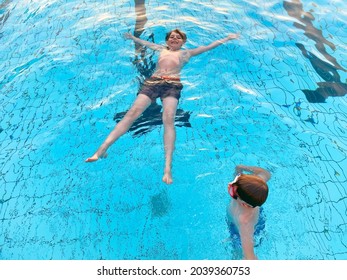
[141, 103]
[169, 112]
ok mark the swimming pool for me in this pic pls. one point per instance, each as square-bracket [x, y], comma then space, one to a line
[274, 98]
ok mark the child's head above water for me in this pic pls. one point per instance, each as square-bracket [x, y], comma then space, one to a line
[250, 189]
[181, 34]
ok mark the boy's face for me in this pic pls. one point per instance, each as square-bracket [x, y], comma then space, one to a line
[175, 41]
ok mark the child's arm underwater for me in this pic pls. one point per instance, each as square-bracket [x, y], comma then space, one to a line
[213, 45]
[258, 171]
[247, 243]
[150, 45]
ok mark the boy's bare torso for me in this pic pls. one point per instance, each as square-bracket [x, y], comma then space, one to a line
[170, 62]
[242, 216]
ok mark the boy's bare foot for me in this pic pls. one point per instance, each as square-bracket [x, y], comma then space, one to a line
[167, 178]
[95, 157]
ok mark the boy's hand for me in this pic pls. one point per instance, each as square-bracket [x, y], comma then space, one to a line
[128, 36]
[233, 36]
[238, 169]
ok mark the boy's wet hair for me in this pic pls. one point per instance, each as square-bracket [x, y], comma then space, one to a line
[252, 189]
[182, 34]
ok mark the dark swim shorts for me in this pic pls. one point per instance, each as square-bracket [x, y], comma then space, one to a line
[155, 87]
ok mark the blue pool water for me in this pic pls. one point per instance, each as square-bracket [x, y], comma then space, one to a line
[274, 98]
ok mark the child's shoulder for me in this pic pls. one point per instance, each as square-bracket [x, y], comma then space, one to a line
[185, 55]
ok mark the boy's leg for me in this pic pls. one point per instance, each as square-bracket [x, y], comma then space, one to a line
[169, 113]
[141, 103]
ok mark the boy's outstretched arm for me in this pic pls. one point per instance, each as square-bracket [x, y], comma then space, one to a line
[150, 45]
[247, 243]
[266, 175]
[213, 45]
